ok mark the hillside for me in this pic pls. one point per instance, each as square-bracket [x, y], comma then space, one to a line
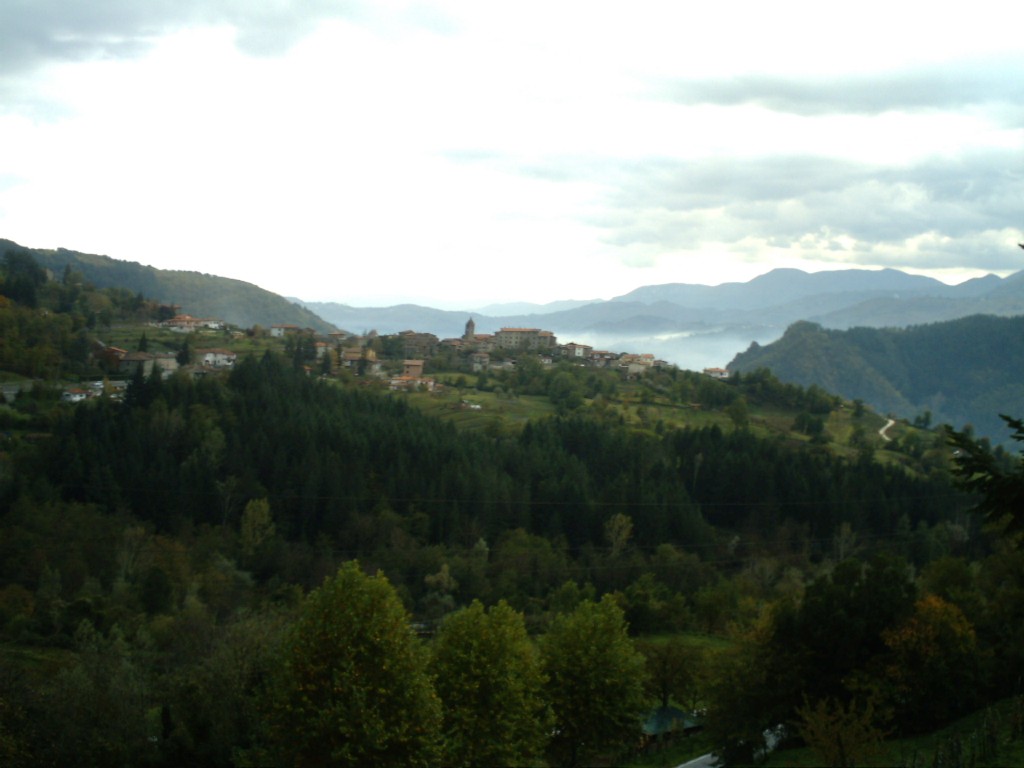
[201, 295]
[964, 371]
[166, 553]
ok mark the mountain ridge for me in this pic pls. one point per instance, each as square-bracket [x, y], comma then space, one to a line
[200, 294]
[698, 326]
[963, 371]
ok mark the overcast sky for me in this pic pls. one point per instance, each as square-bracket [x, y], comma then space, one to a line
[461, 153]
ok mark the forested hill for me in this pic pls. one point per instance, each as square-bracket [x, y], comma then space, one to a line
[167, 551]
[233, 301]
[963, 371]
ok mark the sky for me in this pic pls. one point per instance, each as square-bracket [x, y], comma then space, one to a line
[458, 154]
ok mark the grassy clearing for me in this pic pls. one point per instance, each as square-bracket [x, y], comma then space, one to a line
[495, 414]
[499, 414]
[695, 640]
[165, 340]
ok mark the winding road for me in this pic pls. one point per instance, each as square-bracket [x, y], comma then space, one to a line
[704, 761]
[883, 430]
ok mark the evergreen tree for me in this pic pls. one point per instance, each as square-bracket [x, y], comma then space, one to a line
[1000, 487]
[184, 356]
[23, 277]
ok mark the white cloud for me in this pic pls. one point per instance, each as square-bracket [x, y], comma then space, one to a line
[462, 153]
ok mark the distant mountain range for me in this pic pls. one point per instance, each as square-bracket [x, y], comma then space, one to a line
[201, 295]
[697, 326]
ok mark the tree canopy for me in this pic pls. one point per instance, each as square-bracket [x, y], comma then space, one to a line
[998, 483]
[596, 680]
[354, 687]
[488, 676]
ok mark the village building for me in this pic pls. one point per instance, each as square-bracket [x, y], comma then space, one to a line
[418, 345]
[74, 395]
[635, 364]
[182, 323]
[133, 362]
[483, 342]
[167, 362]
[215, 358]
[284, 329]
[412, 377]
[188, 324]
[361, 361]
[576, 351]
[525, 338]
[108, 356]
[479, 361]
[146, 362]
[602, 358]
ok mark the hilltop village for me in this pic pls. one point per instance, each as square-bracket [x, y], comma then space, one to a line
[404, 360]
[422, 353]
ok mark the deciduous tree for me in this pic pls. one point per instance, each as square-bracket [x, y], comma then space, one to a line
[353, 687]
[933, 663]
[490, 681]
[672, 669]
[843, 736]
[595, 683]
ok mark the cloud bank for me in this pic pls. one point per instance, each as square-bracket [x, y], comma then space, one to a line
[452, 152]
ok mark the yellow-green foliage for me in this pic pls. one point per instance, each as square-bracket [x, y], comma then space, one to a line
[353, 688]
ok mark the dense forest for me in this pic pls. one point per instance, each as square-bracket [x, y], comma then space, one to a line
[960, 372]
[270, 566]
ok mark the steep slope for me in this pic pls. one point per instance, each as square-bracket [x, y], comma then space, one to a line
[202, 295]
[963, 371]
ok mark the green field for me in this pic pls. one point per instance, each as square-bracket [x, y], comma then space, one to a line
[497, 414]
[846, 433]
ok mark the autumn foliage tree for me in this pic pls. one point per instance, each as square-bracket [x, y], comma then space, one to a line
[932, 663]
